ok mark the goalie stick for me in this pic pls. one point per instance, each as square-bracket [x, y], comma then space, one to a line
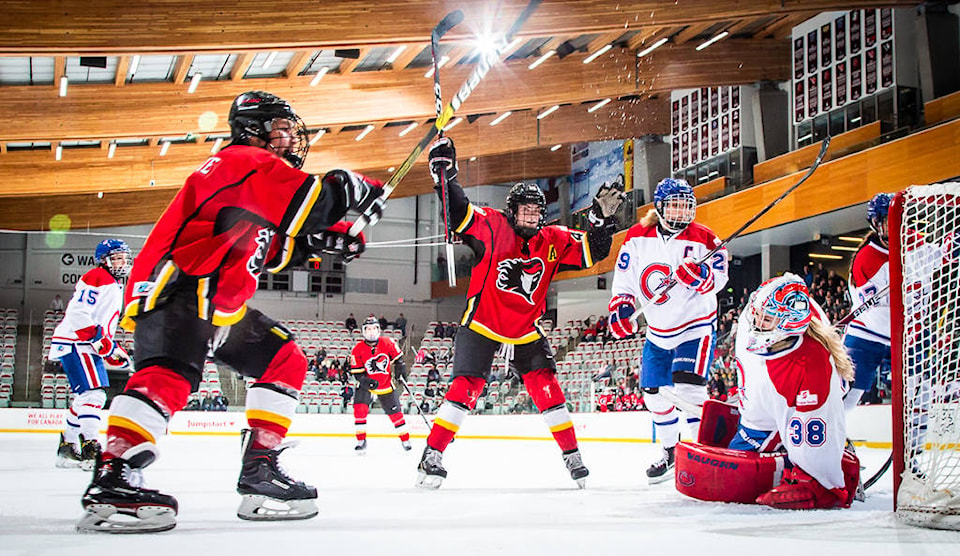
[670, 281]
[447, 23]
[474, 79]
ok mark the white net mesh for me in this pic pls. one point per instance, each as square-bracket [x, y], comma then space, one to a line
[929, 494]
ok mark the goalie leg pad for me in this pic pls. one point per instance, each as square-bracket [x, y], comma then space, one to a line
[723, 475]
[718, 424]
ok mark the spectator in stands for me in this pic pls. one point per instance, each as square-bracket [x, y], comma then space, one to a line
[331, 370]
[433, 375]
[193, 404]
[206, 404]
[383, 322]
[220, 402]
[315, 370]
[401, 325]
[346, 393]
[57, 304]
[350, 323]
[807, 275]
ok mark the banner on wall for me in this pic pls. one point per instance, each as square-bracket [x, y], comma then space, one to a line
[594, 164]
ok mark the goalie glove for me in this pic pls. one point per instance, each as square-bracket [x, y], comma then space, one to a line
[443, 155]
[363, 194]
[336, 240]
[800, 491]
[695, 276]
[622, 308]
[606, 203]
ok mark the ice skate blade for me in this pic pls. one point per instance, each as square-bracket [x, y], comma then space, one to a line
[65, 463]
[360, 452]
[256, 507]
[432, 482]
[87, 464]
[581, 483]
[105, 518]
[668, 476]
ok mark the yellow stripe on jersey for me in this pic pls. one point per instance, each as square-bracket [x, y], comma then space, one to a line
[285, 255]
[264, 415]
[166, 272]
[468, 218]
[203, 303]
[382, 391]
[222, 318]
[484, 331]
[280, 332]
[304, 210]
[587, 255]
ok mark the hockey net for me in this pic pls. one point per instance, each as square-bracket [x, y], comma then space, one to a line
[925, 336]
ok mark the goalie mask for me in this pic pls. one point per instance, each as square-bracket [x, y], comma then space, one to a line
[675, 204]
[526, 209]
[269, 118]
[370, 330]
[114, 255]
[779, 309]
[877, 210]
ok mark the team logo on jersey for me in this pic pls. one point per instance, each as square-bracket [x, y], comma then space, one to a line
[805, 398]
[652, 279]
[519, 276]
[377, 365]
[259, 258]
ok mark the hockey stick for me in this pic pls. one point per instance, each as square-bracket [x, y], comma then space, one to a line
[406, 387]
[670, 281]
[474, 79]
[447, 23]
[876, 476]
[862, 308]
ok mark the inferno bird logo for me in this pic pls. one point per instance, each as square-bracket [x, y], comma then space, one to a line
[519, 276]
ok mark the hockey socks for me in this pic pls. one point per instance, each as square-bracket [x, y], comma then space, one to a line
[269, 408]
[548, 397]
[461, 398]
[360, 412]
[400, 425]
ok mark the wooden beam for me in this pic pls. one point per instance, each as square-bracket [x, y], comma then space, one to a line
[181, 67]
[241, 65]
[3, 148]
[738, 26]
[295, 66]
[791, 21]
[645, 37]
[409, 53]
[603, 40]
[691, 31]
[458, 53]
[348, 64]
[59, 70]
[123, 65]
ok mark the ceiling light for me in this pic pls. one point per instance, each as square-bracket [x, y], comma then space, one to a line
[63, 85]
[824, 256]
[594, 56]
[134, 64]
[216, 145]
[99, 194]
[408, 129]
[320, 133]
[269, 59]
[652, 47]
[59, 153]
[854, 239]
[396, 54]
[443, 60]
[364, 133]
[472, 158]
[451, 125]
[112, 150]
[548, 111]
[541, 59]
[711, 41]
[555, 147]
[501, 117]
[194, 82]
[805, 137]
[599, 105]
[164, 148]
[843, 248]
[316, 78]
[391, 169]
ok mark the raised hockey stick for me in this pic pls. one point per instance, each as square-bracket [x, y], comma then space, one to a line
[862, 308]
[451, 19]
[474, 79]
[670, 281]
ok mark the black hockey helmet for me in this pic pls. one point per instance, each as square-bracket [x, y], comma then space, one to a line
[526, 193]
[370, 329]
[255, 114]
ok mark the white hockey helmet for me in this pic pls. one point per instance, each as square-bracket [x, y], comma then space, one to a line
[779, 309]
[370, 329]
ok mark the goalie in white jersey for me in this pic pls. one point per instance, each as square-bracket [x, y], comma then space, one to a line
[82, 342]
[792, 367]
[681, 324]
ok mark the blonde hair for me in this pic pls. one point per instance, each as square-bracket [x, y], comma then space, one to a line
[829, 338]
[650, 219]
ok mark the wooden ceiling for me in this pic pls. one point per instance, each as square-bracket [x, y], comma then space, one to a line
[389, 96]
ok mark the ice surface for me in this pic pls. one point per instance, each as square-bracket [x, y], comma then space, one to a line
[501, 497]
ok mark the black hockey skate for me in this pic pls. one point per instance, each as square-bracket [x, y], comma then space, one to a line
[116, 502]
[89, 452]
[578, 472]
[269, 494]
[430, 472]
[662, 470]
[67, 455]
[361, 447]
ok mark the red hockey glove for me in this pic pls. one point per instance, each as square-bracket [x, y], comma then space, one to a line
[336, 240]
[695, 276]
[622, 308]
[119, 360]
[800, 491]
[363, 194]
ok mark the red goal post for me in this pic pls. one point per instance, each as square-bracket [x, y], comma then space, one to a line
[925, 354]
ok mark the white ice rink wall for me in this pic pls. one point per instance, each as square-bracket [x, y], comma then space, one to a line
[869, 425]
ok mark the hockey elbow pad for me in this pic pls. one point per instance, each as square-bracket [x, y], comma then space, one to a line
[622, 309]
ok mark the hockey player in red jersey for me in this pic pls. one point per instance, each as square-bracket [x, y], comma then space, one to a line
[374, 361]
[517, 257]
[792, 370]
[248, 208]
[83, 342]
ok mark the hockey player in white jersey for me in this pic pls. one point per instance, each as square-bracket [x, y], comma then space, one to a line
[681, 325]
[867, 337]
[82, 342]
[792, 367]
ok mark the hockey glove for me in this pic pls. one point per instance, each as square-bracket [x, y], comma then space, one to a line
[606, 203]
[399, 369]
[695, 276]
[336, 241]
[368, 383]
[622, 308]
[119, 360]
[800, 491]
[443, 155]
[363, 194]
[95, 336]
